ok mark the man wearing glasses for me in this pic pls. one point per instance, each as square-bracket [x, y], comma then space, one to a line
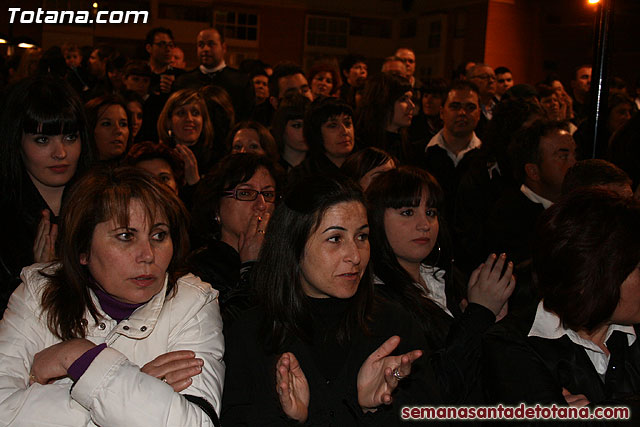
[159, 45]
[483, 76]
[409, 58]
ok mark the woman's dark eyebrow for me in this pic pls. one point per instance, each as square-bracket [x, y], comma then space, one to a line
[337, 227]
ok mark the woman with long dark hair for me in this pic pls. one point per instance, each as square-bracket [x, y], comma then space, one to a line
[384, 116]
[413, 266]
[318, 347]
[45, 146]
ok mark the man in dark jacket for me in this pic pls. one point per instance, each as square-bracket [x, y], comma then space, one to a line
[213, 70]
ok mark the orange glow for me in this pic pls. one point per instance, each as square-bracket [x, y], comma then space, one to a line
[594, 1]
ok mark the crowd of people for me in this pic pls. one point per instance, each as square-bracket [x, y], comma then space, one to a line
[265, 246]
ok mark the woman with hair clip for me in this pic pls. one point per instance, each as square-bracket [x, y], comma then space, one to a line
[404, 206]
[320, 347]
[45, 145]
[580, 345]
[232, 208]
[114, 333]
[109, 127]
[184, 123]
[384, 116]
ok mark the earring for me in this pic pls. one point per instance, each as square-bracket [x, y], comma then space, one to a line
[438, 257]
[217, 219]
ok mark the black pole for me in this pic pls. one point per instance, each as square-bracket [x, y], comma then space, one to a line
[599, 82]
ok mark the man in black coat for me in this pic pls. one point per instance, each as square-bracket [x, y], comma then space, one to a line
[213, 70]
[541, 155]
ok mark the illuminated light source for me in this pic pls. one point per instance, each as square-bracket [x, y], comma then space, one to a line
[95, 4]
[3, 41]
[593, 1]
[26, 45]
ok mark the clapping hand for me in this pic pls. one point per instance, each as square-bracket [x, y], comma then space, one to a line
[292, 388]
[489, 287]
[380, 374]
[46, 235]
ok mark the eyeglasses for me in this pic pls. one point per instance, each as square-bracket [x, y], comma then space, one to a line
[163, 45]
[249, 195]
[484, 77]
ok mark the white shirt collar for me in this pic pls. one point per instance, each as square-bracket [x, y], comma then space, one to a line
[438, 140]
[535, 197]
[435, 291]
[548, 325]
[219, 67]
[434, 279]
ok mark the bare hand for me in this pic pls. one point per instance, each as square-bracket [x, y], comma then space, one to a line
[176, 368]
[292, 388]
[488, 288]
[46, 235]
[54, 361]
[575, 400]
[166, 81]
[191, 173]
[250, 242]
[376, 381]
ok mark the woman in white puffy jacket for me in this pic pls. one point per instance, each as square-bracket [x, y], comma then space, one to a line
[113, 334]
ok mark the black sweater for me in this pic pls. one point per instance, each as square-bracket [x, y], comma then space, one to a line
[331, 369]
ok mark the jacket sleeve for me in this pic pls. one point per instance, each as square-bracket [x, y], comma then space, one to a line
[23, 333]
[116, 392]
[458, 363]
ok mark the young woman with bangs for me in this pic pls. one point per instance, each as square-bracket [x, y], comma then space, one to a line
[45, 146]
[413, 267]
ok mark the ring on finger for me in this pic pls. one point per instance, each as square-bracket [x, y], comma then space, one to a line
[164, 380]
[396, 374]
[33, 378]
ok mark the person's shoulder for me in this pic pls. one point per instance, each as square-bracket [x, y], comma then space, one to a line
[188, 78]
[234, 73]
[190, 286]
[35, 277]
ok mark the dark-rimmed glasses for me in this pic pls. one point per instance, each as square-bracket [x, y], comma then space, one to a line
[249, 195]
